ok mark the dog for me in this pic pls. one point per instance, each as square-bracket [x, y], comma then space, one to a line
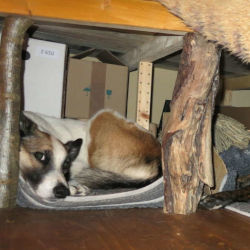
[62, 157]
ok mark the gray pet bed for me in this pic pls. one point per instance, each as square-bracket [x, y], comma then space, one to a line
[148, 196]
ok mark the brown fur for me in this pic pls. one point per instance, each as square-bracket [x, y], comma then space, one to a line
[226, 22]
[38, 142]
[120, 147]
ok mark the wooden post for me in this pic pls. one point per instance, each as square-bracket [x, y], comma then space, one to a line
[186, 144]
[144, 94]
[13, 33]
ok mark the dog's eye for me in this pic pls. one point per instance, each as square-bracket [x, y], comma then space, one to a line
[43, 157]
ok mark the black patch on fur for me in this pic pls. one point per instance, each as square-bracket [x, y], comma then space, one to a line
[26, 126]
[66, 168]
[35, 176]
[73, 149]
[99, 179]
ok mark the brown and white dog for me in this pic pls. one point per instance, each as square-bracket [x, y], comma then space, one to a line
[61, 157]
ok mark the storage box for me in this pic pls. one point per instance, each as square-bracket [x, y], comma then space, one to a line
[240, 114]
[242, 82]
[44, 77]
[92, 86]
[236, 98]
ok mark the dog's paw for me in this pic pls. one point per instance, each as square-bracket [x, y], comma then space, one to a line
[76, 189]
[210, 203]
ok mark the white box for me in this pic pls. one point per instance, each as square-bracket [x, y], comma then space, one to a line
[44, 77]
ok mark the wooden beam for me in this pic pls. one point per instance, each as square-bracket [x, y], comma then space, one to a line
[129, 14]
[152, 50]
[14, 7]
[144, 94]
[99, 38]
[186, 142]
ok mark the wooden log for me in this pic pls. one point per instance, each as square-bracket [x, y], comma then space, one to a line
[10, 78]
[186, 146]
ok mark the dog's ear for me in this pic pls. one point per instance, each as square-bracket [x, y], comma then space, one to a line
[73, 148]
[26, 126]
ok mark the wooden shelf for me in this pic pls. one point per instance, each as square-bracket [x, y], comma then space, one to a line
[124, 14]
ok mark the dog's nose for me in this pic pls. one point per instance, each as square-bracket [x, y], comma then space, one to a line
[61, 191]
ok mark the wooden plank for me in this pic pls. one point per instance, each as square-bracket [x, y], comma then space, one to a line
[14, 7]
[116, 13]
[144, 94]
[122, 229]
[99, 38]
[152, 50]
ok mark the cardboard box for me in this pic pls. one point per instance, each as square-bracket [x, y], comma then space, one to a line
[242, 82]
[44, 77]
[240, 114]
[236, 98]
[92, 86]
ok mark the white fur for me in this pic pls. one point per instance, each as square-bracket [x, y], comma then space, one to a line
[77, 189]
[50, 180]
[59, 153]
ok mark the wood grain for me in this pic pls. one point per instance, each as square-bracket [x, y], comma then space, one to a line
[186, 145]
[115, 13]
[122, 230]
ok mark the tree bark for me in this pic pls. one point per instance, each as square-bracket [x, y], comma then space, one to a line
[13, 33]
[186, 144]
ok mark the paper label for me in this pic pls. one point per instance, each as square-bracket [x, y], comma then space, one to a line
[47, 52]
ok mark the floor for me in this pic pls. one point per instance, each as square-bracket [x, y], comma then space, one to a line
[122, 229]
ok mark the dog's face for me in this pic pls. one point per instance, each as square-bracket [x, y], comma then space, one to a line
[45, 161]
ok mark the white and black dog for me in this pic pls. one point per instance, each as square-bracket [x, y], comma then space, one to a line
[61, 157]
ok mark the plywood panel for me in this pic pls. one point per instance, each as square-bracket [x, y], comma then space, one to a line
[14, 6]
[115, 13]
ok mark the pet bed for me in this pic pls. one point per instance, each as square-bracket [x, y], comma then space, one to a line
[148, 196]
